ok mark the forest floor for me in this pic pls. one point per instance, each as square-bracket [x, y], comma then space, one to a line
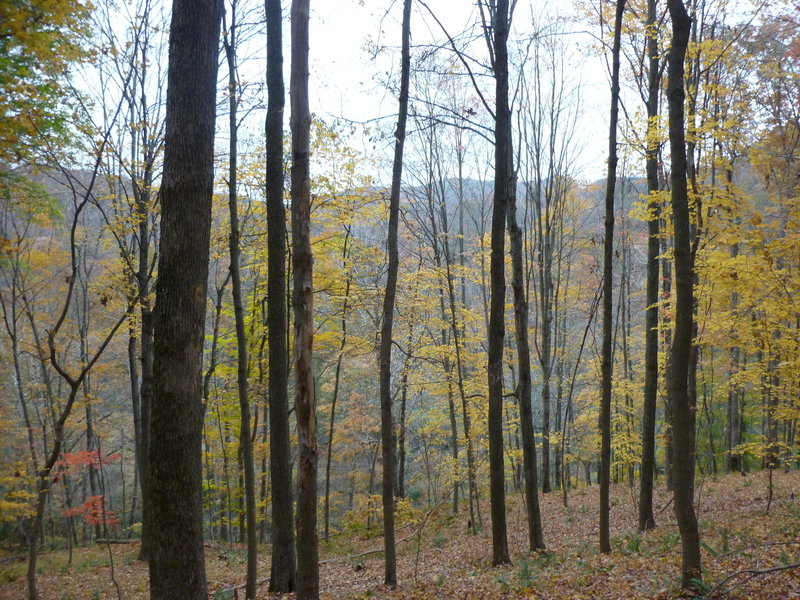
[447, 562]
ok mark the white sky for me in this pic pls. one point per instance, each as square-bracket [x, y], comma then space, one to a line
[346, 82]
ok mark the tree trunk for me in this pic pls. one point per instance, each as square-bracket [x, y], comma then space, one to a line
[683, 414]
[387, 429]
[303, 298]
[282, 574]
[177, 566]
[242, 367]
[336, 381]
[535, 535]
[646, 517]
[608, 274]
[504, 179]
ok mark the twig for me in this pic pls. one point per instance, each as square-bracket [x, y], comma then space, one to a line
[238, 586]
[753, 574]
[421, 527]
[367, 553]
[754, 546]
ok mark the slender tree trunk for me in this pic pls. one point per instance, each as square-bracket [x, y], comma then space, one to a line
[177, 565]
[282, 574]
[242, 367]
[608, 274]
[387, 429]
[546, 363]
[666, 291]
[683, 413]
[535, 535]
[146, 411]
[503, 188]
[336, 381]
[646, 517]
[303, 298]
[734, 458]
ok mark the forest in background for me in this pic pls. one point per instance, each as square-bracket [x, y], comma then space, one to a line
[80, 179]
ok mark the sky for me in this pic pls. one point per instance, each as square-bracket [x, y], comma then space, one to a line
[347, 81]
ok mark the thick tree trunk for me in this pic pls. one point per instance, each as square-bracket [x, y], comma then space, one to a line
[646, 517]
[303, 299]
[387, 429]
[177, 566]
[282, 574]
[504, 177]
[683, 413]
[608, 274]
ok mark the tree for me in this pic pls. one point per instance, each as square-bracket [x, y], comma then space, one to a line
[387, 429]
[646, 518]
[608, 275]
[303, 298]
[282, 575]
[523, 391]
[497, 38]
[39, 42]
[177, 563]
[135, 214]
[230, 41]
[683, 413]
[53, 449]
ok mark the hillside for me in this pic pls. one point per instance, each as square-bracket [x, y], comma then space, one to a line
[738, 535]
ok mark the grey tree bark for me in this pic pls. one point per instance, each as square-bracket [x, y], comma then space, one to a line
[387, 429]
[282, 574]
[646, 517]
[303, 299]
[177, 563]
[503, 188]
[683, 412]
[608, 274]
[230, 40]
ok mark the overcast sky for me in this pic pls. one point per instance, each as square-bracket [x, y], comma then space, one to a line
[346, 82]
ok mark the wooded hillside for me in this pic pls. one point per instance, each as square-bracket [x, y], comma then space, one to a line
[429, 342]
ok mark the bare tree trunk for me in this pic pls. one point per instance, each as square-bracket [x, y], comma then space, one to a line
[303, 299]
[387, 429]
[608, 274]
[282, 574]
[242, 370]
[646, 517]
[683, 413]
[535, 535]
[503, 188]
[336, 381]
[177, 565]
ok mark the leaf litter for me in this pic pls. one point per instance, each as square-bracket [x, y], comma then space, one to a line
[748, 554]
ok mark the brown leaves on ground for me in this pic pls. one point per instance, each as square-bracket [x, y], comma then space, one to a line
[738, 536]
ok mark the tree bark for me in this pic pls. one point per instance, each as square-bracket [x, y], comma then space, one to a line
[177, 566]
[387, 429]
[646, 517]
[683, 413]
[282, 574]
[503, 182]
[336, 381]
[608, 275]
[535, 535]
[303, 299]
[242, 366]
